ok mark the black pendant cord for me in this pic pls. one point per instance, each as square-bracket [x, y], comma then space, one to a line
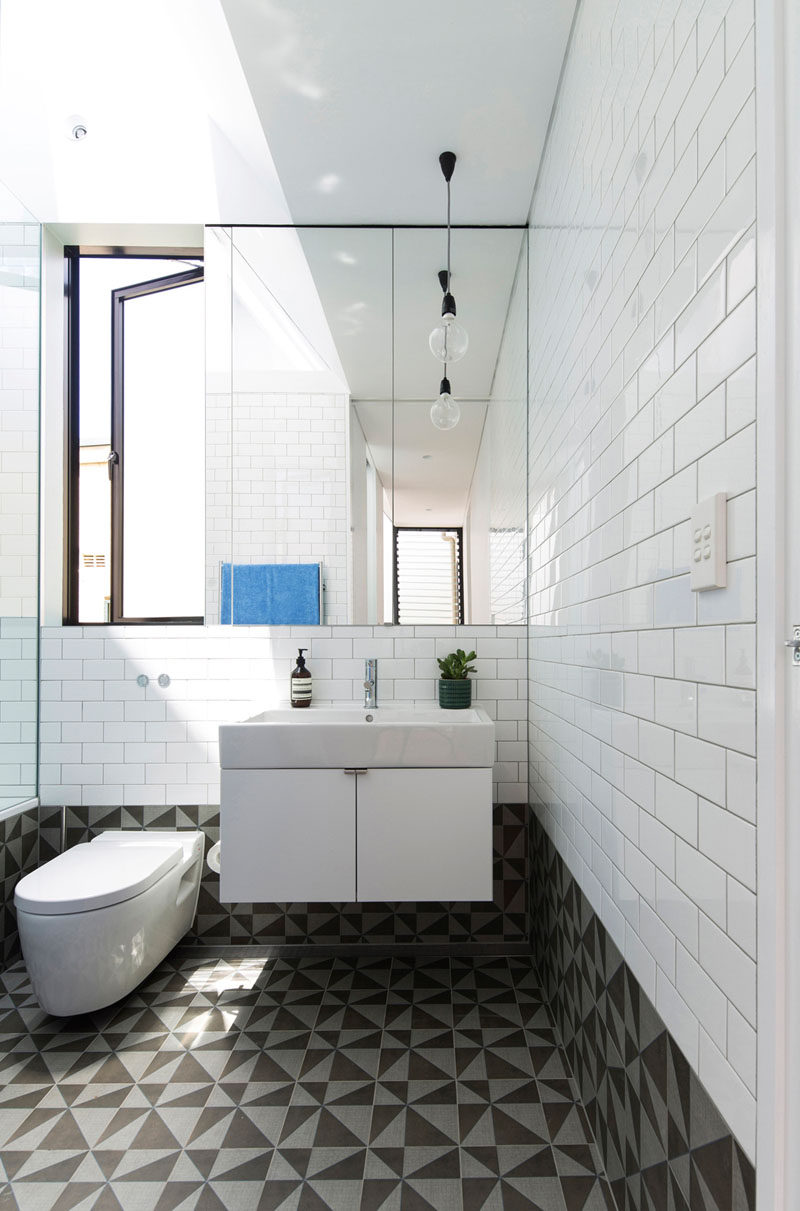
[444, 386]
[448, 237]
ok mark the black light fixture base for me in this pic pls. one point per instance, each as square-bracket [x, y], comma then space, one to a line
[448, 304]
[447, 161]
[444, 387]
[444, 280]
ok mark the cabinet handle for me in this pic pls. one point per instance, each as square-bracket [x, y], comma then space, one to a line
[355, 771]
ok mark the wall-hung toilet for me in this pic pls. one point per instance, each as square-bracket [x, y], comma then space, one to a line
[95, 921]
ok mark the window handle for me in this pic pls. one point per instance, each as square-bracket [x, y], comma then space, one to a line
[112, 461]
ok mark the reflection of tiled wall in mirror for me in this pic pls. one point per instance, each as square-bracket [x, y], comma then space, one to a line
[507, 423]
[276, 488]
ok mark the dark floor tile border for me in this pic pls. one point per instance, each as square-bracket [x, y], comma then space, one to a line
[504, 919]
[662, 1140]
[416, 950]
[19, 853]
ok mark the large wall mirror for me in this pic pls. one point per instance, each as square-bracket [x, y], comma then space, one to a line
[331, 496]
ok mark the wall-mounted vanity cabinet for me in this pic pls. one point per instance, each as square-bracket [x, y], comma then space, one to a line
[331, 835]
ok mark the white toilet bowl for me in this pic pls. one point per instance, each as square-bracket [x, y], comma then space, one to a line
[97, 919]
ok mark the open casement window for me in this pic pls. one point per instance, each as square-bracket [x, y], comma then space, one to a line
[428, 575]
[136, 502]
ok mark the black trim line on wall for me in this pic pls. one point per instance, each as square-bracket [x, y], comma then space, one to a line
[71, 432]
[377, 226]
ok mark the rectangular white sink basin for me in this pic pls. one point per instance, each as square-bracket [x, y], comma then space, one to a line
[337, 737]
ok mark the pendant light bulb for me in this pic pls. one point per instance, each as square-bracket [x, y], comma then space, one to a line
[445, 412]
[449, 341]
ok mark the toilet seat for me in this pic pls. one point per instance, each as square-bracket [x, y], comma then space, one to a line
[76, 881]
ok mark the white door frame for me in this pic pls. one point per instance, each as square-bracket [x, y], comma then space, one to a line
[778, 601]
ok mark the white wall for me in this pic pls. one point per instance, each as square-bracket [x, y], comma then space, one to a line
[506, 434]
[51, 486]
[277, 487]
[18, 649]
[357, 488]
[642, 401]
[478, 577]
[107, 741]
[365, 517]
[19, 418]
[495, 521]
[19, 504]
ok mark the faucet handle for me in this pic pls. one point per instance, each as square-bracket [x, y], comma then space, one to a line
[368, 685]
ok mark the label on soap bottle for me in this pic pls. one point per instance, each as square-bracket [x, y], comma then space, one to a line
[301, 689]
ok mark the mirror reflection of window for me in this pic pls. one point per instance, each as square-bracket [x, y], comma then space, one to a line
[429, 575]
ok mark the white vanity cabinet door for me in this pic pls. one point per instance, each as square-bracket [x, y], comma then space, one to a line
[424, 834]
[287, 835]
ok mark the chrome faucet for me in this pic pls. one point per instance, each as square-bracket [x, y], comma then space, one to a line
[370, 685]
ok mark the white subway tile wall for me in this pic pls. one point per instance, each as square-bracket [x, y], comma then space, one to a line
[276, 488]
[19, 419]
[18, 706]
[642, 402]
[218, 495]
[106, 741]
[19, 507]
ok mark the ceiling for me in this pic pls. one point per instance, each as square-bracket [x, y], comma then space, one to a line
[357, 98]
[172, 133]
[264, 111]
[307, 111]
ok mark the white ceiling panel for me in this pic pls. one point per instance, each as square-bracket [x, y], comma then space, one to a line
[357, 98]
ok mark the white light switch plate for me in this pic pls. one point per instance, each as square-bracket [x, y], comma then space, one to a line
[708, 559]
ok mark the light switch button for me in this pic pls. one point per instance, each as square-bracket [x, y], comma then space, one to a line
[708, 564]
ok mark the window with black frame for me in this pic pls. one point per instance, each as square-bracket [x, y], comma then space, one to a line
[428, 575]
[136, 449]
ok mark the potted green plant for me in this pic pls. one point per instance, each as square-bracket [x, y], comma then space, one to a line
[455, 688]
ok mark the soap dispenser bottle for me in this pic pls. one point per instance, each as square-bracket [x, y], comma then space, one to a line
[300, 682]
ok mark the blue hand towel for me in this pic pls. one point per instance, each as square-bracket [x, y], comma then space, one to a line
[273, 593]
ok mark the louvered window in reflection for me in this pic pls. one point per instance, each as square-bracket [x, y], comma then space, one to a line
[428, 575]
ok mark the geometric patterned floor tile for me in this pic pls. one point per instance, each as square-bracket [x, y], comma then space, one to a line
[379, 1084]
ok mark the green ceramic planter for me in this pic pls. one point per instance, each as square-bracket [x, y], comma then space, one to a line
[455, 695]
